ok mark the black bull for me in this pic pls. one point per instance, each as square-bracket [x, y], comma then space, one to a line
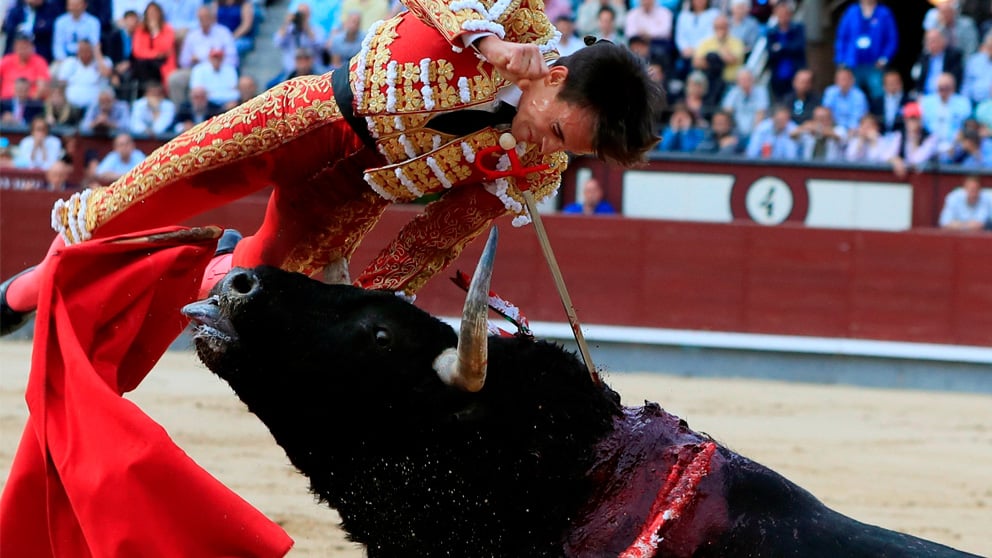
[538, 462]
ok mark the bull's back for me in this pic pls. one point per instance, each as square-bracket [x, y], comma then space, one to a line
[773, 517]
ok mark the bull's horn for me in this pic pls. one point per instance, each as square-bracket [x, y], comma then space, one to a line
[336, 273]
[465, 367]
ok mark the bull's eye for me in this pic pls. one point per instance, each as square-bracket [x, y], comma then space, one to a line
[383, 338]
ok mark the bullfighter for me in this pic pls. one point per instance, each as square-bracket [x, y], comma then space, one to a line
[429, 92]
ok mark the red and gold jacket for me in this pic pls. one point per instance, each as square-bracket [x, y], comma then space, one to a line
[295, 137]
[398, 90]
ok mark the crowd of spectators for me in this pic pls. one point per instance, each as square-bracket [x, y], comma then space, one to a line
[867, 115]
[154, 68]
[116, 68]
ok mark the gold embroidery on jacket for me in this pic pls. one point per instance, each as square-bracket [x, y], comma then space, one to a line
[194, 152]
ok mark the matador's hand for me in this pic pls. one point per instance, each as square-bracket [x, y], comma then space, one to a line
[515, 61]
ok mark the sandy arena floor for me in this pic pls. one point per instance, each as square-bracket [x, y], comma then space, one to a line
[918, 462]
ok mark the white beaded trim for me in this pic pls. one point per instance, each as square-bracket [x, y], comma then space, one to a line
[57, 220]
[473, 5]
[438, 173]
[425, 78]
[398, 124]
[410, 186]
[370, 124]
[391, 86]
[77, 231]
[362, 55]
[425, 71]
[552, 43]
[498, 189]
[84, 233]
[408, 147]
[378, 189]
[498, 8]
[428, 97]
[468, 152]
[435, 142]
[71, 220]
[476, 25]
[463, 91]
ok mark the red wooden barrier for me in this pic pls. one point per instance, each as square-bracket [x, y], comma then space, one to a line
[923, 285]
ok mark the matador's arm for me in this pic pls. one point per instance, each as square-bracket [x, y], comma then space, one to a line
[520, 21]
[433, 239]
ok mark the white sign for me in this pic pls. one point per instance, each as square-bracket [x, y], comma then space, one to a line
[769, 200]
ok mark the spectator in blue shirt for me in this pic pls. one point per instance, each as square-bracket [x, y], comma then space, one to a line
[118, 162]
[866, 41]
[107, 116]
[73, 26]
[347, 41]
[937, 58]
[945, 111]
[720, 138]
[972, 151]
[152, 114]
[592, 201]
[772, 138]
[978, 73]
[35, 18]
[845, 101]
[681, 135]
[786, 49]
[968, 207]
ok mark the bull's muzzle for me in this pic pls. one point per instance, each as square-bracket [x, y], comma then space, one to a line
[465, 366]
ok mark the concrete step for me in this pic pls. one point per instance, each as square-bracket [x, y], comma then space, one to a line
[265, 62]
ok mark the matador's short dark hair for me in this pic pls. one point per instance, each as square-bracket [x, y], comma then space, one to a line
[613, 82]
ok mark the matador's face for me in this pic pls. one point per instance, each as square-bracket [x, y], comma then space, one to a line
[549, 122]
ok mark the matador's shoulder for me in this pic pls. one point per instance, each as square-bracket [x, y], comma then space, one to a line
[410, 64]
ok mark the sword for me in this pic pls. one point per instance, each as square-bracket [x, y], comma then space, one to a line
[508, 144]
[566, 301]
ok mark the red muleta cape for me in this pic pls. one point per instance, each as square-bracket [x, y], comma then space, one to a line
[94, 475]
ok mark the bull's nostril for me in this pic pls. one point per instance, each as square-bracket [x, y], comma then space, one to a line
[243, 282]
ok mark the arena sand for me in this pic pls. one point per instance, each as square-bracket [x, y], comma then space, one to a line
[918, 462]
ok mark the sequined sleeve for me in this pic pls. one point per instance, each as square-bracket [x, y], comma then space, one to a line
[521, 21]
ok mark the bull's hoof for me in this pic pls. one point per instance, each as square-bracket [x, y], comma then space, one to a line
[12, 320]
